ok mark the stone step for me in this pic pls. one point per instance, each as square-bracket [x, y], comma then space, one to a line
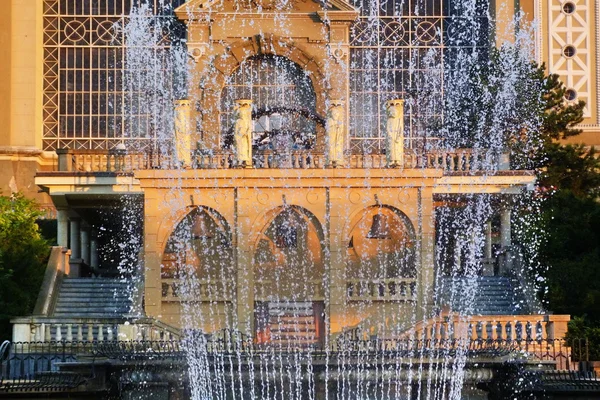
[291, 310]
[282, 314]
[93, 298]
[292, 320]
[103, 293]
[90, 311]
[95, 289]
[492, 295]
[102, 301]
[290, 304]
[95, 293]
[291, 328]
[97, 283]
[292, 325]
[308, 336]
[89, 282]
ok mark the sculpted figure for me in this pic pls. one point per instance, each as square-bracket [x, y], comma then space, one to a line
[395, 133]
[243, 132]
[336, 131]
[183, 138]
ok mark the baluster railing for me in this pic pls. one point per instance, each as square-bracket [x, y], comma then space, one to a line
[457, 160]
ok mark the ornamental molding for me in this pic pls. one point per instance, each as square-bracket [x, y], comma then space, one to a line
[569, 48]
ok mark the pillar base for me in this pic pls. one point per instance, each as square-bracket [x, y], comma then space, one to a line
[76, 268]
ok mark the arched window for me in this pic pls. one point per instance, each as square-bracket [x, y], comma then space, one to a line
[283, 100]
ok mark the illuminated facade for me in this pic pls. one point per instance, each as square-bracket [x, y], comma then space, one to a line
[72, 126]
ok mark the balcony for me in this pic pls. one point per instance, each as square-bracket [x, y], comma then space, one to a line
[122, 162]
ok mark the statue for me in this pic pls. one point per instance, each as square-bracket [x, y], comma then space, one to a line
[336, 132]
[242, 133]
[395, 133]
[183, 132]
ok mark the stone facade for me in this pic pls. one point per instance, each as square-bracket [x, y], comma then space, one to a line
[332, 202]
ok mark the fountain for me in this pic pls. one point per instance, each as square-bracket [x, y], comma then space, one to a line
[330, 189]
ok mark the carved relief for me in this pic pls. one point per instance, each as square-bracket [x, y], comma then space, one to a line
[197, 50]
[570, 47]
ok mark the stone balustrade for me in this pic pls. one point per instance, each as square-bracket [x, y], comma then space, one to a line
[392, 289]
[493, 327]
[204, 290]
[457, 160]
[45, 329]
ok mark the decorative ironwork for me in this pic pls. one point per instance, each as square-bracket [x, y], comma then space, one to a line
[32, 366]
[84, 57]
[395, 46]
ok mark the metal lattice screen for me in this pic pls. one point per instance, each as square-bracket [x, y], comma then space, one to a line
[83, 103]
[400, 49]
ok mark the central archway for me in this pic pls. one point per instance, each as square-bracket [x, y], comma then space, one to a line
[289, 275]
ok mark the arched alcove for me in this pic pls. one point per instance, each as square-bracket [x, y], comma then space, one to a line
[284, 102]
[199, 248]
[289, 275]
[381, 245]
[288, 257]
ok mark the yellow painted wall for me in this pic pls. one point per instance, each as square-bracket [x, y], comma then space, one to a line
[5, 73]
[25, 73]
[21, 70]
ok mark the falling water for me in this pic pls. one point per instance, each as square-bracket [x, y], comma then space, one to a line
[459, 93]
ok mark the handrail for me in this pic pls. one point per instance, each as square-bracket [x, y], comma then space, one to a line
[491, 327]
[57, 268]
[451, 160]
[51, 329]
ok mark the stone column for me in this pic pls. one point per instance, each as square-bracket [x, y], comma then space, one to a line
[335, 265]
[62, 227]
[85, 243]
[488, 240]
[506, 261]
[94, 253]
[457, 255]
[505, 236]
[244, 209]
[488, 261]
[426, 268]
[75, 237]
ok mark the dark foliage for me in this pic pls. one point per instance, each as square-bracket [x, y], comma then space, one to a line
[23, 255]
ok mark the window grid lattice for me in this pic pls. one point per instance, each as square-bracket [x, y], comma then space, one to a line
[397, 47]
[83, 103]
[389, 48]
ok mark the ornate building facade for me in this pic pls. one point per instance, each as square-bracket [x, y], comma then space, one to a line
[323, 213]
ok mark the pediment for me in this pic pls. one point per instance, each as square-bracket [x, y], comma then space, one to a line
[198, 8]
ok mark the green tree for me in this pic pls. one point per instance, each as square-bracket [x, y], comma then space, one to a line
[570, 174]
[23, 253]
[572, 253]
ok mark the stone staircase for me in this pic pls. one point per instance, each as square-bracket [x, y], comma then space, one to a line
[292, 325]
[494, 295]
[93, 298]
